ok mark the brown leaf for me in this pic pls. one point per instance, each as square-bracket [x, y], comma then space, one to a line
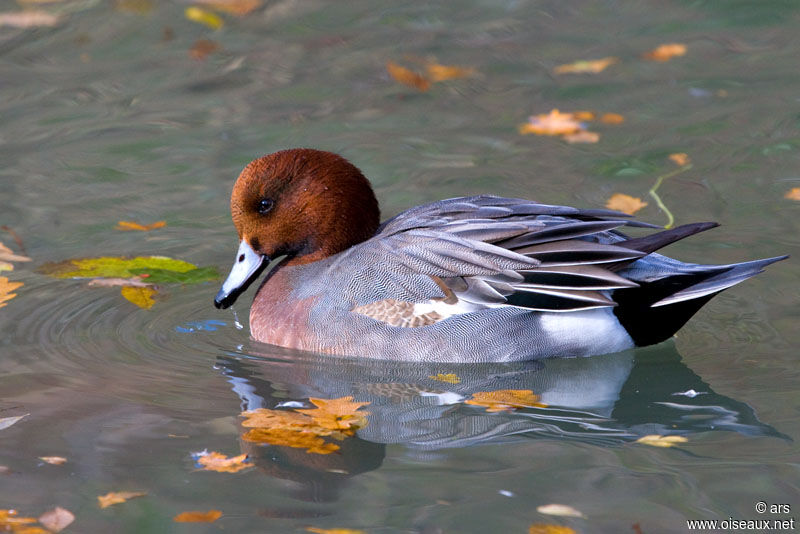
[53, 460]
[116, 497]
[440, 73]
[582, 137]
[503, 400]
[130, 225]
[407, 77]
[238, 8]
[215, 461]
[665, 52]
[655, 440]
[337, 414]
[141, 296]
[542, 528]
[793, 194]
[612, 118]
[625, 203]
[28, 19]
[198, 517]
[680, 159]
[56, 519]
[202, 48]
[592, 66]
[562, 510]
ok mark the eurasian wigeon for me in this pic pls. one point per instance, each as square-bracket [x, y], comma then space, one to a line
[479, 278]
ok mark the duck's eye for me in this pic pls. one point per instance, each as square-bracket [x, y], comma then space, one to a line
[265, 205]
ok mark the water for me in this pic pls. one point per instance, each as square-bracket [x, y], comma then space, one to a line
[106, 117]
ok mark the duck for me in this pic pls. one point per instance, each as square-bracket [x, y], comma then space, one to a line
[468, 279]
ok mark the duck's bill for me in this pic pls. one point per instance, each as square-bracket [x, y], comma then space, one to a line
[246, 268]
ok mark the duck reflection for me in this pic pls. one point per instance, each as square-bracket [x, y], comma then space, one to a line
[606, 400]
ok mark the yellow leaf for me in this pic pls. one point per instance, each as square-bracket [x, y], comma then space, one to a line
[541, 528]
[503, 400]
[793, 194]
[440, 73]
[54, 460]
[238, 8]
[407, 77]
[655, 440]
[215, 461]
[582, 137]
[198, 517]
[562, 510]
[28, 19]
[116, 497]
[130, 225]
[591, 66]
[6, 422]
[6, 288]
[680, 159]
[665, 52]
[318, 530]
[5, 266]
[612, 118]
[56, 519]
[553, 123]
[450, 378]
[625, 203]
[204, 17]
[141, 296]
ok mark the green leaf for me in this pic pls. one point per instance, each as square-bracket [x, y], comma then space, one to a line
[160, 268]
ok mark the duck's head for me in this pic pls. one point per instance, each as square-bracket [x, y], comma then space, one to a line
[302, 203]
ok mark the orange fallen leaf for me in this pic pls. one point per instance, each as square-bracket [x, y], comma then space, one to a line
[665, 52]
[6, 288]
[117, 497]
[130, 225]
[655, 440]
[612, 118]
[203, 16]
[562, 510]
[141, 296]
[450, 378]
[53, 460]
[680, 159]
[337, 414]
[553, 123]
[542, 528]
[198, 517]
[440, 73]
[586, 66]
[583, 136]
[407, 77]
[202, 48]
[215, 461]
[793, 194]
[625, 203]
[238, 8]
[10, 521]
[57, 519]
[318, 530]
[584, 115]
[504, 400]
[28, 19]
[309, 441]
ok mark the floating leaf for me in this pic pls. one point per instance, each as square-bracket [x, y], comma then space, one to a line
[506, 400]
[204, 17]
[793, 194]
[337, 414]
[680, 159]
[54, 460]
[318, 530]
[202, 48]
[625, 203]
[238, 8]
[612, 118]
[582, 137]
[440, 73]
[215, 461]
[560, 510]
[198, 517]
[116, 497]
[553, 123]
[28, 19]
[665, 52]
[140, 7]
[141, 296]
[6, 288]
[130, 225]
[6, 422]
[407, 76]
[588, 66]
[542, 528]
[309, 441]
[6, 254]
[450, 378]
[56, 519]
[655, 440]
[10, 521]
[159, 269]
[584, 115]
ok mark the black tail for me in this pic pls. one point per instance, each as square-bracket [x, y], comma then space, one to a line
[655, 310]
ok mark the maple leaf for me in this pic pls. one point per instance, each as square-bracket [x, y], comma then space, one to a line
[560, 510]
[53, 460]
[553, 123]
[130, 225]
[450, 378]
[117, 497]
[198, 517]
[440, 73]
[792, 194]
[337, 414]
[656, 440]
[542, 528]
[215, 461]
[680, 159]
[6, 288]
[203, 16]
[586, 66]
[503, 400]
[141, 296]
[625, 203]
[311, 441]
[57, 519]
[407, 76]
[665, 52]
